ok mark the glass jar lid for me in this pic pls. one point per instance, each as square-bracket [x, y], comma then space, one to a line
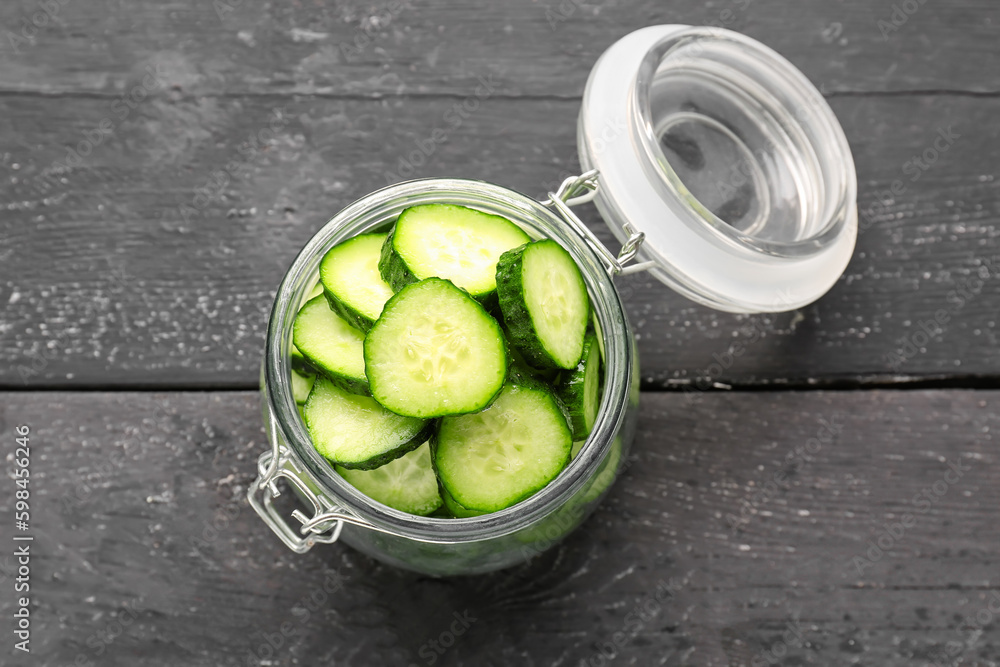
[727, 160]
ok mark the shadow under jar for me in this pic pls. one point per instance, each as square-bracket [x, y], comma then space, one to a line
[659, 146]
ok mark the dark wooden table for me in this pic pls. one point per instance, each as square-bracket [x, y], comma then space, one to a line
[147, 220]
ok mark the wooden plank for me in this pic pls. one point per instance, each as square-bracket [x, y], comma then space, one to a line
[122, 484]
[134, 266]
[393, 47]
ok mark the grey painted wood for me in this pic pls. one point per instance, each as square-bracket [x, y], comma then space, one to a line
[138, 503]
[144, 264]
[420, 47]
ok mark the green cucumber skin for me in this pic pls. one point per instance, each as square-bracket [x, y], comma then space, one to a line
[310, 378]
[349, 384]
[456, 510]
[351, 316]
[397, 274]
[510, 291]
[523, 376]
[549, 376]
[378, 461]
[417, 506]
[571, 390]
[392, 267]
[300, 363]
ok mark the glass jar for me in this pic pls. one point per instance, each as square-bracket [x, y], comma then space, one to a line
[667, 112]
[441, 546]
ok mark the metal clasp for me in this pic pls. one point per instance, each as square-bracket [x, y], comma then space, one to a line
[581, 189]
[326, 522]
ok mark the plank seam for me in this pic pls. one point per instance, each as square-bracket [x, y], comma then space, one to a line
[347, 97]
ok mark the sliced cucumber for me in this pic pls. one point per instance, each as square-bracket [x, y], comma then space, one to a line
[316, 290]
[455, 509]
[544, 303]
[355, 431]
[549, 376]
[453, 242]
[301, 386]
[579, 389]
[599, 332]
[407, 484]
[352, 282]
[434, 351]
[300, 363]
[331, 345]
[495, 458]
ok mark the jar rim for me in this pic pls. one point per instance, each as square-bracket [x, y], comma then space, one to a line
[375, 210]
[801, 234]
[808, 107]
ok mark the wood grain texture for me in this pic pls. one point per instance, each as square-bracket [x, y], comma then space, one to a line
[142, 263]
[420, 47]
[138, 504]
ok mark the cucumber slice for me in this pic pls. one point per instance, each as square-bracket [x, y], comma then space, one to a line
[316, 290]
[580, 389]
[355, 431]
[300, 363]
[599, 332]
[435, 351]
[407, 484]
[495, 458]
[301, 386]
[457, 510]
[331, 345]
[544, 303]
[452, 242]
[352, 282]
